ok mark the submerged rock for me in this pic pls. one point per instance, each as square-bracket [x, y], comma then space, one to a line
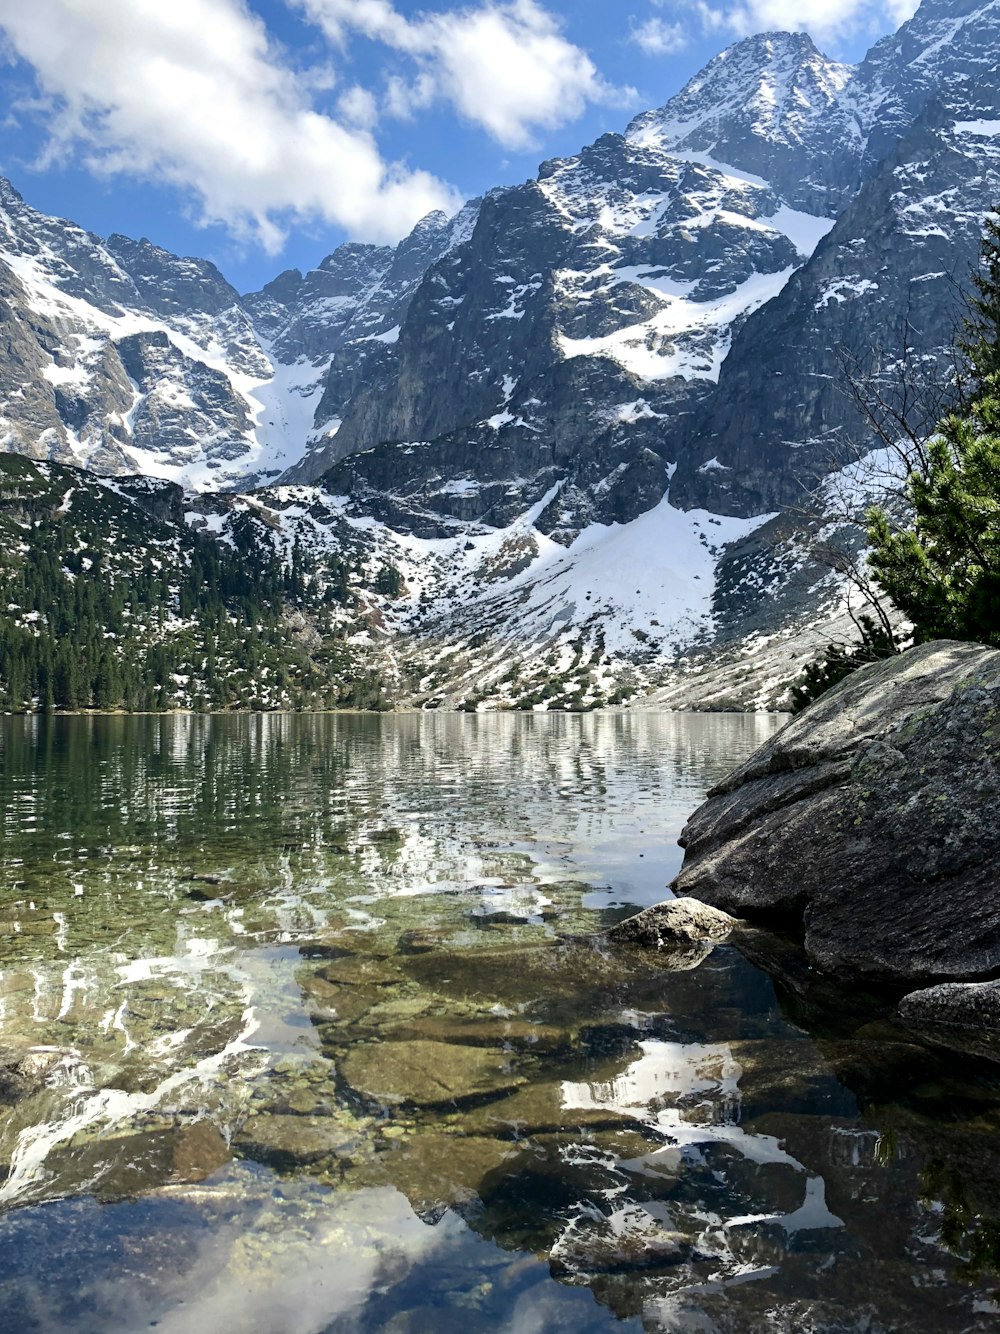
[125, 1166]
[426, 1073]
[676, 922]
[25, 1071]
[435, 1170]
[484, 1031]
[540, 1109]
[870, 821]
[287, 1142]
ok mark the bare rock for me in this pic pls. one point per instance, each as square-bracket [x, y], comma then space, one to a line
[962, 1015]
[674, 922]
[869, 821]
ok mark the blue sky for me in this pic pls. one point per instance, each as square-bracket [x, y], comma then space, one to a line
[261, 133]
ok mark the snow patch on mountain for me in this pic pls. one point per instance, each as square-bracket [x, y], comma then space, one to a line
[686, 339]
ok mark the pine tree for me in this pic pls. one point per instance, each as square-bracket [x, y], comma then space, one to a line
[980, 346]
[840, 660]
[943, 570]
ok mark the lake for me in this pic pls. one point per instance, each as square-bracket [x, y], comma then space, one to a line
[308, 1024]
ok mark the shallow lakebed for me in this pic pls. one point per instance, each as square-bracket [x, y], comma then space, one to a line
[308, 1024]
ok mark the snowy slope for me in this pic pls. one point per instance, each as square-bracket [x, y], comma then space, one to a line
[498, 615]
[125, 358]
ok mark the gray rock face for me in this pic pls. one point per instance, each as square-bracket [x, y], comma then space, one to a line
[869, 820]
[965, 1015]
[187, 410]
[343, 319]
[947, 43]
[888, 275]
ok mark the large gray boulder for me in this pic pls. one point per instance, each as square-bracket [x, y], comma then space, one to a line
[871, 820]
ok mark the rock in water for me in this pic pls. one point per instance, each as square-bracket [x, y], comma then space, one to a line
[675, 922]
[871, 821]
[426, 1073]
[965, 1015]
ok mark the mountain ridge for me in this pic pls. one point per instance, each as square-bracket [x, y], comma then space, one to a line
[637, 346]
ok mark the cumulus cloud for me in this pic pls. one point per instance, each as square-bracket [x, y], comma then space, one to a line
[358, 107]
[658, 37]
[826, 20]
[194, 93]
[823, 18]
[506, 67]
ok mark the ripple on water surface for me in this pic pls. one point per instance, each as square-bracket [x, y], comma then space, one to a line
[307, 1024]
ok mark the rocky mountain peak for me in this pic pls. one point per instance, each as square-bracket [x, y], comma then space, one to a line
[171, 284]
[946, 42]
[757, 79]
[8, 195]
[356, 259]
[770, 105]
[431, 223]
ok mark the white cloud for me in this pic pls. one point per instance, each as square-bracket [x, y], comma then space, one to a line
[358, 107]
[503, 66]
[193, 92]
[824, 19]
[657, 37]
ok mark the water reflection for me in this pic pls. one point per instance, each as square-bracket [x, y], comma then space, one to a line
[305, 1026]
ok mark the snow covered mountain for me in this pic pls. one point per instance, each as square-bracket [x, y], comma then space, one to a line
[681, 297]
[632, 363]
[772, 106]
[124, 358]
[588, 316]
[884, 286]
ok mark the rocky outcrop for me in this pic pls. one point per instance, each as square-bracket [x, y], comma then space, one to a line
[782, 418]
[870, 821]
[965, 1015]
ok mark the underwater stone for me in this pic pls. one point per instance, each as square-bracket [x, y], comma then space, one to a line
[426, 1073]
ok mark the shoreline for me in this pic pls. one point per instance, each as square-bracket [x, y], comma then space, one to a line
[613, 711]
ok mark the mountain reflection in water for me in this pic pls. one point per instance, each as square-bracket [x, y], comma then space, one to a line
[307, 1024]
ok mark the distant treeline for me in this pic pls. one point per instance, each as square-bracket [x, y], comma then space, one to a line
[171, 618]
